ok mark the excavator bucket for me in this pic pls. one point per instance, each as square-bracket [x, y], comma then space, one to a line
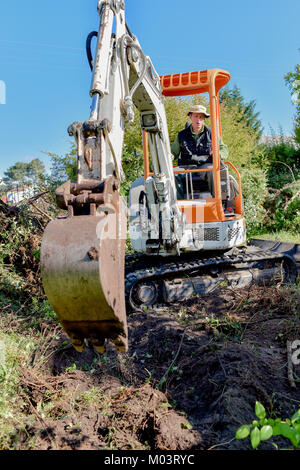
[82, 264]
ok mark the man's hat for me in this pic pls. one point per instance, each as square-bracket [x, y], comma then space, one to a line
[198, 108]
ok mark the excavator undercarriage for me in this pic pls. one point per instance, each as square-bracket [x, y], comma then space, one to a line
[163, 282]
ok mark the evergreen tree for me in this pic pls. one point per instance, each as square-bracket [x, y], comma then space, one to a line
[23, 173]
[248, 115]
[63, 167]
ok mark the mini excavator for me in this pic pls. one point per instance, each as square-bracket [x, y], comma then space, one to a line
[186, 224]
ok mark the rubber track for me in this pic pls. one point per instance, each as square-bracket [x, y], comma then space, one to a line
[185, 266]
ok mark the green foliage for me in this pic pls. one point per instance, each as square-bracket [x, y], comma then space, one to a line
[264, 429]
[63, 167]
[292, 80]
[280, 205]
[282, 162]
[16, 351]
[185, 425]
[255, 191]
[283, 236]
[176, 112]
[132, 159]
[36, 168]
[17, 172]
[246, 111]
[283, 208]
[23, 173]
[240, 139]
[20, 237]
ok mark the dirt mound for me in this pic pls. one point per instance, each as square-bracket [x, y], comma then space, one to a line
[190, 379]
[119, 417]
[191, 376]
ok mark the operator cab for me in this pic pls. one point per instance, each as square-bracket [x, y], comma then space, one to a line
[193, 185]
[210, 183]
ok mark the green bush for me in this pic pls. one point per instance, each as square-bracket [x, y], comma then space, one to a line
[255, 191]
[283, 164]
[264, 429]
[283, 208]
[272, 189]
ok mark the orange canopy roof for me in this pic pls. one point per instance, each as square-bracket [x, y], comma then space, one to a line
[192, 83]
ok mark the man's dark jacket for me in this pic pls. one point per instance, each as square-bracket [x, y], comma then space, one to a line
[195, 151]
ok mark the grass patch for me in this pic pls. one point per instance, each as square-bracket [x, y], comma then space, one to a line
[15, 351]
[281, 236]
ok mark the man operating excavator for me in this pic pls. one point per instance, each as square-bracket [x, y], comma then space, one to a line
[193, 147]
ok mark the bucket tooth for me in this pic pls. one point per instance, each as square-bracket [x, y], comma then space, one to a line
[121, 344]
[99, 344]
[100, 349]
[77, 342]
[98, 341]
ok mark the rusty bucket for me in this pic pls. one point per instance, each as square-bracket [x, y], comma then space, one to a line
[82, 265]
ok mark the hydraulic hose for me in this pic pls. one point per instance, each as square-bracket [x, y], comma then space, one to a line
[88, 48]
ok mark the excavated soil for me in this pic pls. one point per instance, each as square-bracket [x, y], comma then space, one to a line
[191, 376]
[189, 380]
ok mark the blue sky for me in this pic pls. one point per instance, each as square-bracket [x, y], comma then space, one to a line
[47, 78]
